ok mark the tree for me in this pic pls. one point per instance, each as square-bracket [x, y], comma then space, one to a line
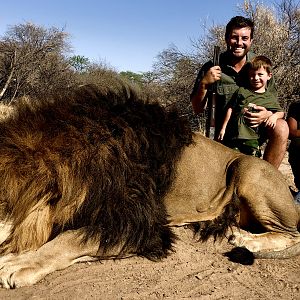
[32, 61]
[132, 77]
[79, 63]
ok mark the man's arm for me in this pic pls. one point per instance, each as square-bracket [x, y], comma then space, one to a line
[254, 119]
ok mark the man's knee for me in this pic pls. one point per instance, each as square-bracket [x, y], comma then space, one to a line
[277, 144]
[280, 132]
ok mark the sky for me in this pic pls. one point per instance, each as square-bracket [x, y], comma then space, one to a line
[125, 34]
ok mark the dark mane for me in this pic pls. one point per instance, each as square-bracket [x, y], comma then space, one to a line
[99, 160]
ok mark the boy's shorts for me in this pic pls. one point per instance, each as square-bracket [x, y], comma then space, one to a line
[249, 147]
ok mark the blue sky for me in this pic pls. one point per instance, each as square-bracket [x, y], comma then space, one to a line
[126, 34]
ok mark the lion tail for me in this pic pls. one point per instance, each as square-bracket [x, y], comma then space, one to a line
[289, 252]
[244, 256]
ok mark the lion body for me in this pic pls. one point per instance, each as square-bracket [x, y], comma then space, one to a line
[102, 176]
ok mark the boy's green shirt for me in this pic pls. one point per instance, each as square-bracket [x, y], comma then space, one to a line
[238, 127]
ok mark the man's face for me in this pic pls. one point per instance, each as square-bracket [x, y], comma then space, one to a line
[239, 42]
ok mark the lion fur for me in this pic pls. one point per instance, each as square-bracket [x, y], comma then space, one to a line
[100, 173]
[103, 161]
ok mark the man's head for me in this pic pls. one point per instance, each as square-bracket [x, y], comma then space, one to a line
[239, 36]
[237, 23]
[260, 71]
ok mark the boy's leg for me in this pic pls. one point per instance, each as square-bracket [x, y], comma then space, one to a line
[277, 143]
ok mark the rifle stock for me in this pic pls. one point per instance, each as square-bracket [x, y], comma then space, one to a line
[211, 120]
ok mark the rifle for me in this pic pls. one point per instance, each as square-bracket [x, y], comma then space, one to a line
[211, 120]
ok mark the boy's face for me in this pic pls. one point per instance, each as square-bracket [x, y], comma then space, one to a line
[239, 41]
[259, 78]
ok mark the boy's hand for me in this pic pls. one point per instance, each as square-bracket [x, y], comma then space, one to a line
[221, 135]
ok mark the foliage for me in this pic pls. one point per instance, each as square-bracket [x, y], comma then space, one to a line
[35, 60]
[32, 61]
[175, 71]
[133, 77]
[79, 63]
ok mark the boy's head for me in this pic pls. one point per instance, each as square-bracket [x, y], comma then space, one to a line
[260, 71]
[261, 61]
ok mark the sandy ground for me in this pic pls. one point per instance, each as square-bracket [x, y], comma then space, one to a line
[194, 271]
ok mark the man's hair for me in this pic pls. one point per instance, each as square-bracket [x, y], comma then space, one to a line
[239, 22]
[260, 61]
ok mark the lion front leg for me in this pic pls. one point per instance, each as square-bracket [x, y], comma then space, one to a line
[27, 268]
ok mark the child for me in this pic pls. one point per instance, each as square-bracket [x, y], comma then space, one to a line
[239, 134]
[293, 120]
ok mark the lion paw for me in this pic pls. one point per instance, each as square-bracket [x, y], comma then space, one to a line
[17, 271]
[244, 241]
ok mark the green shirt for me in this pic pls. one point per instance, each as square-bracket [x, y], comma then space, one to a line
[229, 83]
[237, 127]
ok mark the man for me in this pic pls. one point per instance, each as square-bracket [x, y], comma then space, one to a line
[230, 76]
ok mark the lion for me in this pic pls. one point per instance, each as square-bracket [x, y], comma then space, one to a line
[94, 175]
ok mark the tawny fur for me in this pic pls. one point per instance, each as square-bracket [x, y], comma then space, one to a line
[88, 159]
[98, 175]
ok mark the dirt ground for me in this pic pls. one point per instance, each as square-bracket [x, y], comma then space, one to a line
[194, 271]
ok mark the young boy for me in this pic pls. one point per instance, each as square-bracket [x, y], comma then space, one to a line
[239, 135]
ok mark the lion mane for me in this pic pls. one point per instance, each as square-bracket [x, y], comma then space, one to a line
[94, 160]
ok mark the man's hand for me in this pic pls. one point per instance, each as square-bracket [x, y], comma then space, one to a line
[198, 99]
[254, 119]
[212, 75]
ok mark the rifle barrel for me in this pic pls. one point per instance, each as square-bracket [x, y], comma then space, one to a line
[211, 132]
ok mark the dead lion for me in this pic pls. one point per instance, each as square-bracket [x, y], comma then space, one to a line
[98, 176]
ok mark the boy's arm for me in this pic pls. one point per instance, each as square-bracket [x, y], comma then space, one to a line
[224, 125]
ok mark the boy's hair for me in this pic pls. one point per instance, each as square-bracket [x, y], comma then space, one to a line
[260, 61]
[239, 22]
